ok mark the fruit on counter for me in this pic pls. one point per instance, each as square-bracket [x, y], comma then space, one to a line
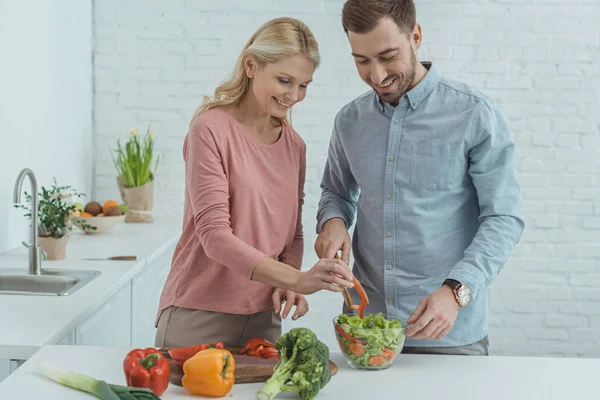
[210, 372]
[147, 368]
[98, 388]
[93, 207]
[371, 341]
[109, 203]
[181, 354]
[303, 366]
[258, 347]
[112, 211]
[110, 208]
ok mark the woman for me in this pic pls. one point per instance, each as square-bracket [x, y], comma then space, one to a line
[240, 252]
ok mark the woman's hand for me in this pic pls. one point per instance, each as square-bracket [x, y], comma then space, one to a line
[291, 299]
[328, 274]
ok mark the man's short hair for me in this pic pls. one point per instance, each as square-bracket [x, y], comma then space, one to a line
[361, 16]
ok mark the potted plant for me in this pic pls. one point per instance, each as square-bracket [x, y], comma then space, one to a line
[135, 175]
[55, 209]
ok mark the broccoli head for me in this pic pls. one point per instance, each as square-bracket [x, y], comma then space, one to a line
[303, 366]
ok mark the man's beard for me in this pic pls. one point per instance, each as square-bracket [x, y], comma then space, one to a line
[404, 84]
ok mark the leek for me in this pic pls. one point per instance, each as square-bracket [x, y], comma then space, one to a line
[98, 388]
[81, 382]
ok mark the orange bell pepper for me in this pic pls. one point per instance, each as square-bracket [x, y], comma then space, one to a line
[210, 372]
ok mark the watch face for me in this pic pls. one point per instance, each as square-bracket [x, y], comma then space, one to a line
[464, 295]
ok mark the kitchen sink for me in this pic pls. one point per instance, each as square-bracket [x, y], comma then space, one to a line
[51, 282]
[37, 280]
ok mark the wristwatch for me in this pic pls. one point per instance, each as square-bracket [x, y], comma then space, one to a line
[462, 293]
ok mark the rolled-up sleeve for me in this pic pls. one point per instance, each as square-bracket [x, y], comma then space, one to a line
[339, 190]
[208, 190]
[492, 167]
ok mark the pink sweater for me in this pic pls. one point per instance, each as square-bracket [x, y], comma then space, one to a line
[243, 202]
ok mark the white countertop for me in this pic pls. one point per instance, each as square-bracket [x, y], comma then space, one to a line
[29, 322]
[411, 377]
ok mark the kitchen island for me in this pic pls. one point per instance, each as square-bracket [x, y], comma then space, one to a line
[411, 377]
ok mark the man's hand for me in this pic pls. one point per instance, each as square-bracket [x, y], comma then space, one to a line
[291, 299]
[333, 237]
[434, 316]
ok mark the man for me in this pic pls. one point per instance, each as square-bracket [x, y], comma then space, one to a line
[440, 208]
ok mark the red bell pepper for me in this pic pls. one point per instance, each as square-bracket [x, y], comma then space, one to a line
[345, 334]
[255, 351]
[182, 354]
[364, 300]
[255, 343]
[147, 368]
[257, 347]
[269, 352]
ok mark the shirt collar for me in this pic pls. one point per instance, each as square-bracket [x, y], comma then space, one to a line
[417, 94]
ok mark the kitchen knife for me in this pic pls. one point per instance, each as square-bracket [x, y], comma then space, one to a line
[116, 258]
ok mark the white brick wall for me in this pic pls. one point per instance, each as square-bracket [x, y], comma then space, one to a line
[540, 59]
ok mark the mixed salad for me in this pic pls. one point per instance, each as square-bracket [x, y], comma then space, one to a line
[369, 342]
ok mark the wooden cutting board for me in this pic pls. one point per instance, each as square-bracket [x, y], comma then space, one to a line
[247, 369]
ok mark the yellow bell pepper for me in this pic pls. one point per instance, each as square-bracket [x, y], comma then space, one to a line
[210, 372]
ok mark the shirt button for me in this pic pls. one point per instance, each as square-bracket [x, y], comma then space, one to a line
[389, 234]
[391, 301]
[389, 196]
[389, 267]
[391, 158]
[396, 122]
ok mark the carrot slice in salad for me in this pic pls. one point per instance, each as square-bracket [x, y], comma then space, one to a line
[376, 360]
[357, 349]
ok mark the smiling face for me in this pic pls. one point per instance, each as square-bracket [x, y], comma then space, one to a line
[278, 86]
[386, 58]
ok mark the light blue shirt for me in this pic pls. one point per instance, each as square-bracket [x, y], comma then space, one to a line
[433, 185]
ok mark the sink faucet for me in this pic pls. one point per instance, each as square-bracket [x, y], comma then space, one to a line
[35, 255]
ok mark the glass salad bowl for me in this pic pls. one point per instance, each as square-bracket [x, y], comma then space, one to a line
[370, 343]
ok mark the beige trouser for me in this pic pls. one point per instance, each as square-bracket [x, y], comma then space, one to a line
[182, 327]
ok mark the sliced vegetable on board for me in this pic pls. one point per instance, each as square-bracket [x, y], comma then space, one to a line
[181, 354]
[257, 347]
[254, 343]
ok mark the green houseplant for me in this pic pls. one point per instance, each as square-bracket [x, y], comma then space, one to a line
[55, 209]
[136, 164]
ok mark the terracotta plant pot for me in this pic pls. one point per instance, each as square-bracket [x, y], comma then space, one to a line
[139, 201]
[55, 249]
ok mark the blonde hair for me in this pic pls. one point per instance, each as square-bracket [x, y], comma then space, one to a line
[275, 40]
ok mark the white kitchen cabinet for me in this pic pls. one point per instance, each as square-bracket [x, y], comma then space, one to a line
[127, 319]
[110, 325]
[146, 288]
[68, 340]
[7, 367]
[4, 369]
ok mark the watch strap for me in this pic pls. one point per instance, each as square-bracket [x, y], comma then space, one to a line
[453, 284]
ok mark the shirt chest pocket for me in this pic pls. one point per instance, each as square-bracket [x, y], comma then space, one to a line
[434, 166]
